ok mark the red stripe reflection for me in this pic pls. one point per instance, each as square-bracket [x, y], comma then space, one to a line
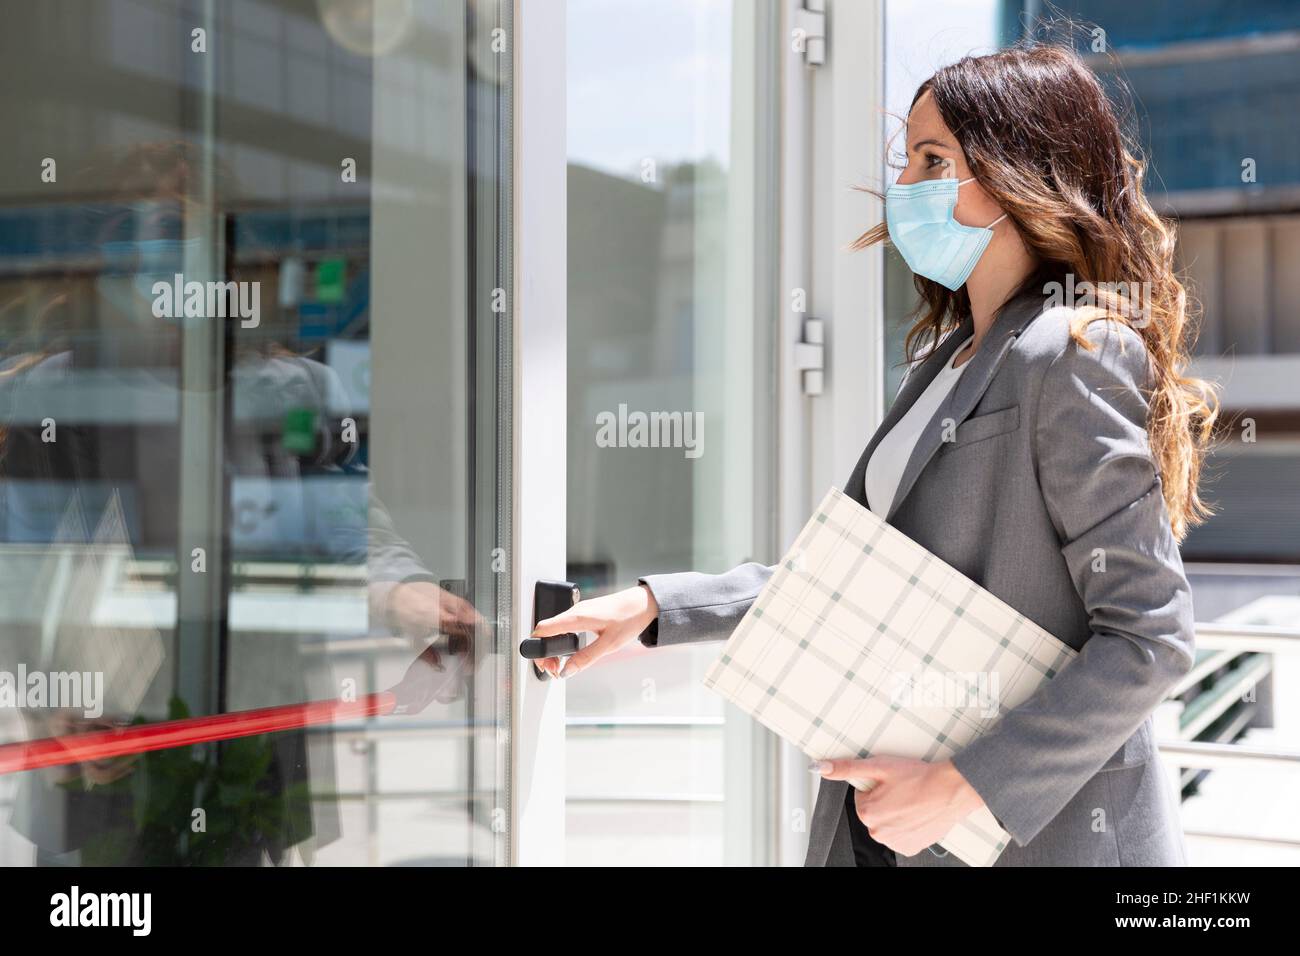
[103, 744]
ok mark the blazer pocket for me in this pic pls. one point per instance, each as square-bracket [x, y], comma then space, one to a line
[988, 425]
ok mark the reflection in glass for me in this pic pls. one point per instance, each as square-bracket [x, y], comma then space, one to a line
[243, 398]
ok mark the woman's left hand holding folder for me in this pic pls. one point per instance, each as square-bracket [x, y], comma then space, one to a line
[913, 804]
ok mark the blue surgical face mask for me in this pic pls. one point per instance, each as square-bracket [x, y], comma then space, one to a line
[930, 240]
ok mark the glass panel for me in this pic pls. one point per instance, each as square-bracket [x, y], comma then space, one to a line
[671, 133]
[255, 401]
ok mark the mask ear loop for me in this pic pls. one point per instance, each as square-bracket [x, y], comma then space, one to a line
[963, 182]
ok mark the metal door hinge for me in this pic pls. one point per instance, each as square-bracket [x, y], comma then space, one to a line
[810, 356]
[810, 31]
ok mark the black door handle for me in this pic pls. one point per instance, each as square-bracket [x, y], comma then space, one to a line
[549, 599]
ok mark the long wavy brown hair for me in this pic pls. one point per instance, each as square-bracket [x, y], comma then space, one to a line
[1045, 142]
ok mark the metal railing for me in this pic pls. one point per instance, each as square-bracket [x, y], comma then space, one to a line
[1250, 647]
[1247, 638]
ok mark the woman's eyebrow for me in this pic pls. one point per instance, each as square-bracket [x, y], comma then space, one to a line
[930, 142]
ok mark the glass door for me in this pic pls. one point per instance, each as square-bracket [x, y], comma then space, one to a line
[257, 435]
[673, 183]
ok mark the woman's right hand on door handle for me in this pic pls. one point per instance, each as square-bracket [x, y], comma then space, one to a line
[616, 619]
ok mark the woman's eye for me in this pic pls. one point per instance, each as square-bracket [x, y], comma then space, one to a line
[935, 162]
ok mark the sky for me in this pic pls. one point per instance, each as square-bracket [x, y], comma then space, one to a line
[648, 79]
[652, 78]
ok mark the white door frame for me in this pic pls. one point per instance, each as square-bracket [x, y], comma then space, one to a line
[833, 140]
[540, 375]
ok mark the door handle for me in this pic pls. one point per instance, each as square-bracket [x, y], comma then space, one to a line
[549, 599]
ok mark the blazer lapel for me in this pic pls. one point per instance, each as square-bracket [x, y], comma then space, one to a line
[970, 388]
[972, 385]
[917, 381]
[828, 814]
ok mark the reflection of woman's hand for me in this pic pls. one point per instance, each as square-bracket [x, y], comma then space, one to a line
[418, 608]
[616, 619]
[97, 772]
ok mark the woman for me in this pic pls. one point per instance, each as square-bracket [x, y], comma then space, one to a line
[1047, 449]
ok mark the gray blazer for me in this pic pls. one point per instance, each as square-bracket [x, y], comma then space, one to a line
[1046, 494]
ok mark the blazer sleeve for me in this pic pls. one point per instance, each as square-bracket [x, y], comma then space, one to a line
[1102, 490]
[697, 607]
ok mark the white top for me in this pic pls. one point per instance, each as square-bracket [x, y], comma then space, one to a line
[889, 459]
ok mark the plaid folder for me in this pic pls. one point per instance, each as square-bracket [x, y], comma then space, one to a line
[862, 642]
